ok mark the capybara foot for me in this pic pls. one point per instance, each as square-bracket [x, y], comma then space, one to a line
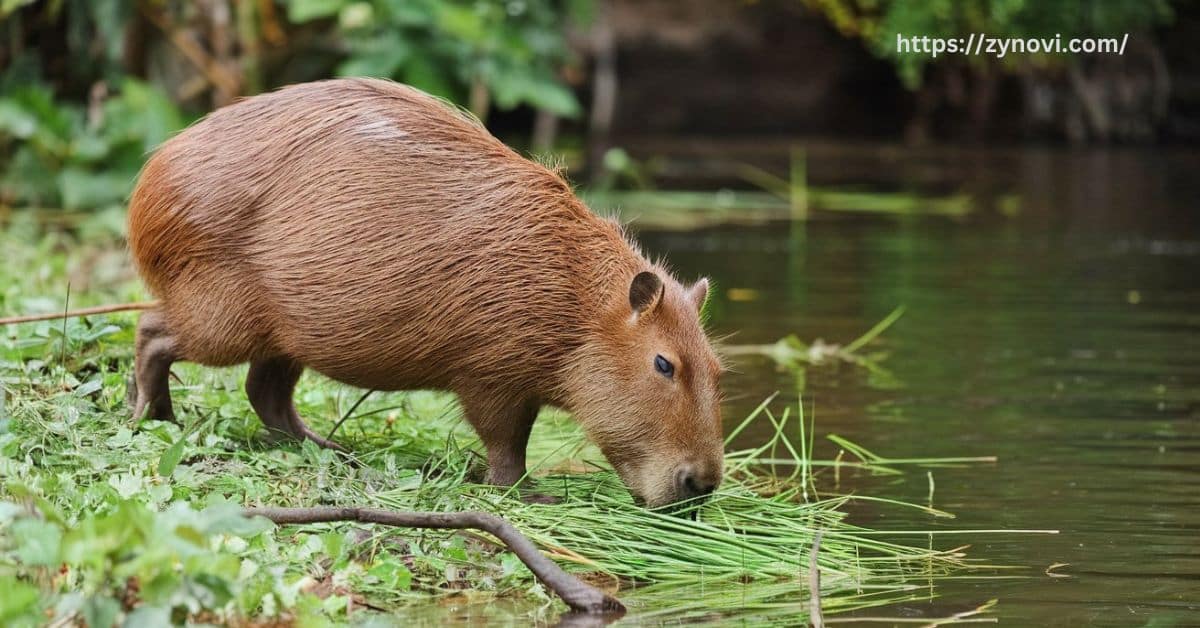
[517, 476]
[154, 352]
[277, 436]
[131, 396]
[269, 385]
[504, 475]
[539, 498]
[145, 408]
[307, 432]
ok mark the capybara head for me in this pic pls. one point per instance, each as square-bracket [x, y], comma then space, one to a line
[646, 387]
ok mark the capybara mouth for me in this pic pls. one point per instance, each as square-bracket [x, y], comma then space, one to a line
[687, 508]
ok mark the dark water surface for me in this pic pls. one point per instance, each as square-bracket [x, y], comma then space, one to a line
[1065, 340]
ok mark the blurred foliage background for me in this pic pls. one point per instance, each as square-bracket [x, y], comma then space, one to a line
[89, 87]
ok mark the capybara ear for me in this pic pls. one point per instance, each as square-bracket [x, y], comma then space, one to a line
[645, 292]
[698, 293]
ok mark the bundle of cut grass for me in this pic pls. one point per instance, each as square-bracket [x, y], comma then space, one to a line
[748, 549]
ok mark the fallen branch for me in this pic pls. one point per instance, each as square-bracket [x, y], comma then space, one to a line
[579, 595]
[814, 585]
[88, 311]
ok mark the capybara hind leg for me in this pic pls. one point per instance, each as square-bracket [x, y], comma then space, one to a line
[155, 350]
[504, 429]
[269, 385]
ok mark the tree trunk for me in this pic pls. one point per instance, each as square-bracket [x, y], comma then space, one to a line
[604, 90]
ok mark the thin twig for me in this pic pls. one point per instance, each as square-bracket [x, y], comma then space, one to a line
[87, 311]
[814, 584]
[962, 617]
[348, 413]
[62, 357]
[579, 595]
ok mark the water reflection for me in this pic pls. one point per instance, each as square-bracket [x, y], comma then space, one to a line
[1065, 340]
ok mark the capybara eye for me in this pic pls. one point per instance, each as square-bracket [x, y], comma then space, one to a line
[664, 366]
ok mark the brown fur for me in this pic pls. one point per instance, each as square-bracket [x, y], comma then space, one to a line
[365, 230]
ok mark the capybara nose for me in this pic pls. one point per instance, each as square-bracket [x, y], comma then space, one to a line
[691, 482]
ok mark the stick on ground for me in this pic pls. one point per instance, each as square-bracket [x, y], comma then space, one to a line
[87, 311]
[579, 595]
[814, 585]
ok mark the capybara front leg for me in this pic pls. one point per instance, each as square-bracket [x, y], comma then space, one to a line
[504, 429]
[155, 349]
[269, 385]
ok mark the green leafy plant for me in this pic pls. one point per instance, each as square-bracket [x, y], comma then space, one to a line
[61, 155]
[508, 52]
[134, 566]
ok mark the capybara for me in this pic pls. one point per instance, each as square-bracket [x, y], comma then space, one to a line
[370, 232]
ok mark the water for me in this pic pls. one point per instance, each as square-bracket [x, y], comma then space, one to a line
[1064, 340]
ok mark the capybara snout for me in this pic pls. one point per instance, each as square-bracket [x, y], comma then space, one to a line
[365, 230]
[648, 391]
[696, 480]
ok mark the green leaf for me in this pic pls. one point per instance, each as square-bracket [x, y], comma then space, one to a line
[29, 179]
[9, 511]
[90, 148]
[227, 518]
[334, 544]
[357, 15]
[514, 86]
[31, 113]
[462, 22]
[88, 388]
[409, 13]
[581, 12]
[38, 542]
[19, 602]
[98, 332]
[554, 98]
[155, 118]
[379, 56]
[423, 73]
[300, 11]
[213, 590]
[148, 617]
[171, 457]
[101, 611]
[393, 575]
[16, 121]
[121, 439]
[82, 189]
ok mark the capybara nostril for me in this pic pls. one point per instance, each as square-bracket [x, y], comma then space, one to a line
[691, 482]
